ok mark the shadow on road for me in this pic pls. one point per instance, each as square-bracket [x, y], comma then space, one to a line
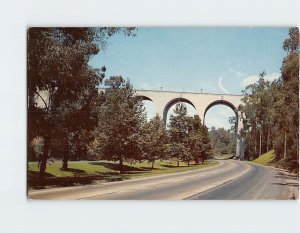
[285, 175]
[288, 184]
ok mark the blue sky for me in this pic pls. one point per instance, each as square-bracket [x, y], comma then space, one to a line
[217, 60]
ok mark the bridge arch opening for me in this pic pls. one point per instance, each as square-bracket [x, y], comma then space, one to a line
[149, 106]
[143, 97]
[191, 109]
[216, 118]
[224, 103]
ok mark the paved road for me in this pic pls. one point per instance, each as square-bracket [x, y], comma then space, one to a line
[260, 183]
[229, 180]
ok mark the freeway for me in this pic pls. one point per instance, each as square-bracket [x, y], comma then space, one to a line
[230, 179]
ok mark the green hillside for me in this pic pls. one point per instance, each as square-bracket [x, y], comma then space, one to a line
[265, 159]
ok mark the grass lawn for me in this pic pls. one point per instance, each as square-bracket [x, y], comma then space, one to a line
[268, 159]
[265, 159]
[87, 172]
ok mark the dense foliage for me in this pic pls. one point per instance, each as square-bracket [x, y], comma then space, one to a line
[121, 119]
[154, 140]
[223, 141]
[270, 110]
[188, 138]
[63, 88]
[69, 118]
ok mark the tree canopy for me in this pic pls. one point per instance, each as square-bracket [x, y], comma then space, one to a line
[270, 110]
[188, 138]
[62, 87]
[154, 140]
[121, 119]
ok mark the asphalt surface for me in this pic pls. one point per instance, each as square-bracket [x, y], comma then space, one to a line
[260, 183]
[233, 180]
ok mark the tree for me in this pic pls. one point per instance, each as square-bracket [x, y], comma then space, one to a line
[223, 141]
[270, 111]
[62, 87]
[286, 141]
[206, 151]
[233, 122]
[178, 151]
[188, 138]
[154, 139]
[121, 119]
[257, 114]
[178, 133]
[198, 141]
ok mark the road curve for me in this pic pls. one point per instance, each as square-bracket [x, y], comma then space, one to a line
[207, 183]
[260, 183]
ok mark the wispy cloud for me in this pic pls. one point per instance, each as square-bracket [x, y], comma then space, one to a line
[254, 78]
[221, 85]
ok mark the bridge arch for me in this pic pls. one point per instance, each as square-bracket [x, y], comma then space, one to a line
[149, 106]
[171, 103]
[239, 150]
[221, 102]
[143, 97]
[201, 102]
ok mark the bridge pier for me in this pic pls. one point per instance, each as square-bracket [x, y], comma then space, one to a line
[240, 142]
[160, 110]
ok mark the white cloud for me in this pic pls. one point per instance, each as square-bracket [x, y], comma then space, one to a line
[221, 85]
[253, 78]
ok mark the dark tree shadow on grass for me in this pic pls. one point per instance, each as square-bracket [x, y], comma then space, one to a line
[175, 166]
[116, 167]
[80, 178]
[35, 174]
[149, 168]
[74, 170]
[114, 176]
[44, 182]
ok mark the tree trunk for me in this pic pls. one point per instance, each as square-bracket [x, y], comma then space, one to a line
[297, 143]
[177, 163]
[65, 163]
[121, 165]
[196, 161]
[268, 139]
[44, 158]
[255, 147]
[284, 152]
[260, 142]
[152, 166]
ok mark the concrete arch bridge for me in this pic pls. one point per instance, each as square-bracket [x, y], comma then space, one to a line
[202, 102]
